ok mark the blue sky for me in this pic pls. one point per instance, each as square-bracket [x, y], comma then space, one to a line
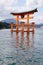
[8, 6]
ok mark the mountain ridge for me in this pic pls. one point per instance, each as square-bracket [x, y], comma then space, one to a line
[8, 21]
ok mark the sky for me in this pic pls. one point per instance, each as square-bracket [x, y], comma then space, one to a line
[8, 6]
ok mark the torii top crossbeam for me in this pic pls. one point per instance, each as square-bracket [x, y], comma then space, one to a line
[24, 13]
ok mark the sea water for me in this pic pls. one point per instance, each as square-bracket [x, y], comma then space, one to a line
[21, 48]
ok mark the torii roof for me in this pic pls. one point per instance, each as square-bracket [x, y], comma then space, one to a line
[24, 13]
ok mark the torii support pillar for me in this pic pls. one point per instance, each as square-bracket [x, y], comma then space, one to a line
[28, 25]
[12, 25]
[17, 23]
[22, 27]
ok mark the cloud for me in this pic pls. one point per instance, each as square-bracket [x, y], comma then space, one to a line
[30, 4]
[8, 6]
[0, 18]
[40, 2]
[34, 3]
[38, 18]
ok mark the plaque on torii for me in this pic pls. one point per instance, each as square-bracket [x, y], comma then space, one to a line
[21, 16]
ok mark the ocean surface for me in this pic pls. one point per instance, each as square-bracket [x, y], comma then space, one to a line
[21, 49]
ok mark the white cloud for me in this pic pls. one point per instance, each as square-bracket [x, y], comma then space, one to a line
[40, 17]
[1, 18]
[8, 6]
[2, 1]
[30, 4]
[8, 2]
[40, 2]
[34, 3]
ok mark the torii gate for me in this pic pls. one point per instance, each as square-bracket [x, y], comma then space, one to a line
[22, 14]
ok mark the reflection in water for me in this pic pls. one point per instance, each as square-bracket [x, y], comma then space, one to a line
[24, 40]
[24, 46]
[27, 39]
[21, 48]
[11, 35]
[17, 40]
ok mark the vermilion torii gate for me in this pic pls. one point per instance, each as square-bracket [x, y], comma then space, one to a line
[21, 16]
